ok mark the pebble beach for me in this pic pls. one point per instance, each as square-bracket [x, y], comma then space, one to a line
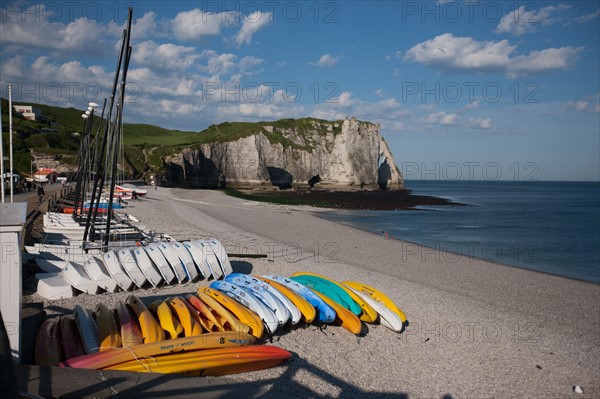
[476, 329]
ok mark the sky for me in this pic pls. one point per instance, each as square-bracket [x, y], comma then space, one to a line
[463, 90]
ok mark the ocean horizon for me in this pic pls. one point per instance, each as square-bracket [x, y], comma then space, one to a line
[546, 226]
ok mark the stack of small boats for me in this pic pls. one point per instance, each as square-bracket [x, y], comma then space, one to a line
[73, 266]
[211, 332]
[62, 226]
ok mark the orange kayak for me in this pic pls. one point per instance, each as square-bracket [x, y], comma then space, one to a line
[211, 362]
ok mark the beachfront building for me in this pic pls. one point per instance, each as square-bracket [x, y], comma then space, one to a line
[45, 175]
[29, 112]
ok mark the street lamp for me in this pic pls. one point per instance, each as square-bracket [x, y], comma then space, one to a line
[10, 139]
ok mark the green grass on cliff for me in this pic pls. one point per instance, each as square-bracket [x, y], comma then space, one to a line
[142, 134]
[232, 131]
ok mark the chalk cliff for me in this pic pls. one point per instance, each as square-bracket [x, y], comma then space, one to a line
[347, 154]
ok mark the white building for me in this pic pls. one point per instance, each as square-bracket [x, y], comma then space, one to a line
[28, 112]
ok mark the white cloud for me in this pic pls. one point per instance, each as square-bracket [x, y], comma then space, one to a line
[261, 103]
[60, 84]
[472, 105]
[478, 123]
[164, 84]
[461, 53]
[441, 118]
[219, 64]
[584, 18]
[589, 104]
[426, 107]
[166, 56]
[72, 71]
[14, 68]
[522, 20]
[196, 24]
[326, 60]
[449, 53]
[249, 62]
[80, 35]
[345, 99]
[549, 59]
[252, 24]
[145, 26]
[389, 111]
[169, 107]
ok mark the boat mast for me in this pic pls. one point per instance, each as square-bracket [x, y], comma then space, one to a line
[117, 128]
[101, 172]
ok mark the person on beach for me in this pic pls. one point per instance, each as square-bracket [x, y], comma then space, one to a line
[41, 192]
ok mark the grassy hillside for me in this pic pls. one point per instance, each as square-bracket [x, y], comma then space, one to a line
[56, 137]
[141, 134]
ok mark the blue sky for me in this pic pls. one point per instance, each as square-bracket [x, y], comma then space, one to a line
[470, 90]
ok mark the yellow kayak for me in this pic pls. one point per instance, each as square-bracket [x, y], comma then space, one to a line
[344, 317]
[225, 317]
[109, 334]
[168, 321]
[210, 362]
[191, 327]
[151, 329]
[207, 325]
[245, 315]
[204, 311]
[113, 357]
[378, 296]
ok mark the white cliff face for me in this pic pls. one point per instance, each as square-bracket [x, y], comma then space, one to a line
[347, 155]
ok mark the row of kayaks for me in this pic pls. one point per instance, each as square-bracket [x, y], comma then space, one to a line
[170, 336]
[130, 268]
[311, 297]
[207, 333]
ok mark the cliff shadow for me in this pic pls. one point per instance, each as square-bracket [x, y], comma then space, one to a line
[280, 177]
[199, 173]
[384, 175]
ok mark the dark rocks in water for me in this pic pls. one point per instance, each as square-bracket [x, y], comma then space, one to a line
[365, 199]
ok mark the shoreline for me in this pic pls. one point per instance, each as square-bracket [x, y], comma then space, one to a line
[475, 328]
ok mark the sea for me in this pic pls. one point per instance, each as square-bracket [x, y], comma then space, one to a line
[551, 227]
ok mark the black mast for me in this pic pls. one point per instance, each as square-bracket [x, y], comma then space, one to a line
[117, 129]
